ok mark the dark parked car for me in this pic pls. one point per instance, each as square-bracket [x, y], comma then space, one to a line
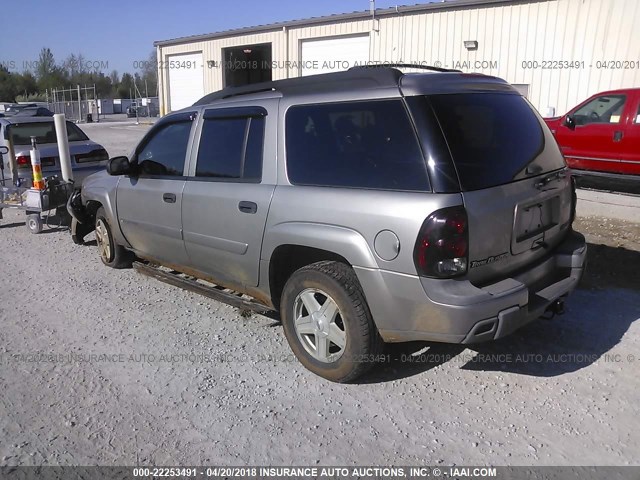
[15, 108]
[142, 111]
[133, 111]
[34, 112]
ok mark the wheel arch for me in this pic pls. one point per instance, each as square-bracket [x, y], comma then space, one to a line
[94, 199]
[291, 246]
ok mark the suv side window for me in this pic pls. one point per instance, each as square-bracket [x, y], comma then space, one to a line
[362, 144]
[231, 149]
[602, 109]
[164, 154]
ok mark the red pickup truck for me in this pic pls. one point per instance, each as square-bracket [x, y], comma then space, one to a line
[601, 136]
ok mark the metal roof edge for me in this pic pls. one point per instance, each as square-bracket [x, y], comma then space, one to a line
[365, 14]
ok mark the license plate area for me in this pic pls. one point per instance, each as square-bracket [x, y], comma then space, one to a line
[531, 222]
[48, 161]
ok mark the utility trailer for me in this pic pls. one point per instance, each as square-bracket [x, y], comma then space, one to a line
[33, 201]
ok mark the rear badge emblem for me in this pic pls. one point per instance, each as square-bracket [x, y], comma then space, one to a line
[487, 261]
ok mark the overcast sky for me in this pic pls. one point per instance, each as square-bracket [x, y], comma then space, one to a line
[116, 34]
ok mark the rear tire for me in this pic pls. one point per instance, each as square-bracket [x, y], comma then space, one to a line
[111, 254]
[327, 322]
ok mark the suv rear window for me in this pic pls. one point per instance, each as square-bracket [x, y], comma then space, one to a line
[354, 144]
[492, 137]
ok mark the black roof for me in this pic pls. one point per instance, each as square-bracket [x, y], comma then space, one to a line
[355, 78]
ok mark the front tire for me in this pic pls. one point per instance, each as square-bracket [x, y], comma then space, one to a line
[111, 254]
[327, 322]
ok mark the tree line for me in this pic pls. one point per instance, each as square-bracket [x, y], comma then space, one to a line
[46, 74]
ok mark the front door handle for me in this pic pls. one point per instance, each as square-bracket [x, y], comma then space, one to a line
[248, 207]
[169, 197]
[617, 136]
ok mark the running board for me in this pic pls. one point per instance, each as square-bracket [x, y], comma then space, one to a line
[216, 292]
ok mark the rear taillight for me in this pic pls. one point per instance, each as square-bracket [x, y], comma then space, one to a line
[23, 161]
[442, 247]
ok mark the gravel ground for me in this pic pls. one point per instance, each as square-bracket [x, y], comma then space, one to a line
[176, 378]
[107, 367]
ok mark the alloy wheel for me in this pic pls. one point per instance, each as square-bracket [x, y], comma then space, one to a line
[319, 325]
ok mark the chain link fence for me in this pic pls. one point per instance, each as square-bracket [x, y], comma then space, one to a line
[78, 104]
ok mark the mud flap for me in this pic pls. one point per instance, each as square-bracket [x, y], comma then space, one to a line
[79, 231]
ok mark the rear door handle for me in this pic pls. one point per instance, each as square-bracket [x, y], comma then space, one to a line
[248, 207]
[169, 197]
[617, 136]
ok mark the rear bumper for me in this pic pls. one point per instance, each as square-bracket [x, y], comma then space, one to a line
[407, 308]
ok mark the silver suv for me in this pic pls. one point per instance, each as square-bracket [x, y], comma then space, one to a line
[366, 206]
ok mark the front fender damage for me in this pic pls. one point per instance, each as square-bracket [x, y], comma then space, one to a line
[83, 219]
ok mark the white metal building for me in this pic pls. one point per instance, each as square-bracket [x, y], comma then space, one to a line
[557, 52]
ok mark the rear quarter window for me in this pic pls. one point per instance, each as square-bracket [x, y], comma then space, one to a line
[354, 144]
[492, 137]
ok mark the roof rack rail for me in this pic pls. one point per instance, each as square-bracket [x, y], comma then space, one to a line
[358, 78]
[407, 65]
[247, 91]
[229, 92]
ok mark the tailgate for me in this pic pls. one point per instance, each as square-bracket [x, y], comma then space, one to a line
[514, 225]
[513, 178]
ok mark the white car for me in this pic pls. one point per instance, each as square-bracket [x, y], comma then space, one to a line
[87, 157]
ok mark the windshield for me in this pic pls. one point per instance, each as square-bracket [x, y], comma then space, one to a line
[45, 132]
[492, 137]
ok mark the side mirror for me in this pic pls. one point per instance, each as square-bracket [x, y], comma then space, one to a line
[569, 122]
[119, 166]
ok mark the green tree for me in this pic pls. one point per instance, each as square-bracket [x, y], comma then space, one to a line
[126, 87]
[104, 87]
[46, 64]
[149, 76]
[115, 78]
[74, 65]
[8, 89]
[25, 83]
[48, 73]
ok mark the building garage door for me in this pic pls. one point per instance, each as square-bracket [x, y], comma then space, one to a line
[186, 80]
[333, 54]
